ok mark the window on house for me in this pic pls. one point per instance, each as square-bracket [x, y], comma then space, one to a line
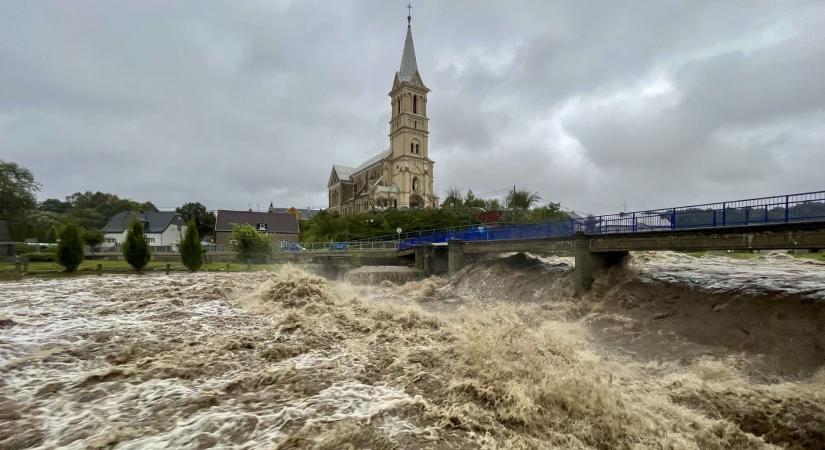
[261, 227]
[233, 242]
[111, 241]
[151, 240]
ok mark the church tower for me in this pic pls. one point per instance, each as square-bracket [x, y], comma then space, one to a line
[409, 132]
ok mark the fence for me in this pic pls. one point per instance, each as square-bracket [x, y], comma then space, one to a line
[804, 207]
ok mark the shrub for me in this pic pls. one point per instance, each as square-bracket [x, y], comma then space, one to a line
[191, 253]
[70, 247]
[38, 257]
[250, 245]
[21, 248]
[135, 247]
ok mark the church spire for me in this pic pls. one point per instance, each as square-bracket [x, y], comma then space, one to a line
[409, 66]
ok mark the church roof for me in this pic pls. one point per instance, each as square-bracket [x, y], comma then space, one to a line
[344, 172]
[409, 66]
[373, 160]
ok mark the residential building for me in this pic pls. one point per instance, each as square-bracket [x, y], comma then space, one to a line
[160, 228]
[281, 227]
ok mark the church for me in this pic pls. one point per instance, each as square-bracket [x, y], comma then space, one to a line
[402, 175]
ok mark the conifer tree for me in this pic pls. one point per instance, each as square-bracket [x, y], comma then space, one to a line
[70, 247]
[191, 253]
[135, 247]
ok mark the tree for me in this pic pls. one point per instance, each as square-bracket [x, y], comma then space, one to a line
[470, 200]
[92, 210]
[191, 253]
[523, 199]
[250, 245]
[70, 247]
[135, 247]
[453, 199]
[93, 238]
[17, 190]
[205, 220]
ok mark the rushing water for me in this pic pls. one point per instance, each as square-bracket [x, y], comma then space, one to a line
[677, 352]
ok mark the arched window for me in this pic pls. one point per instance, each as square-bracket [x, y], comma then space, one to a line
[415, 184]
[412, 147]
[415, 104]
[417, 150]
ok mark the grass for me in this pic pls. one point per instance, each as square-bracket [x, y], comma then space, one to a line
[7, 269]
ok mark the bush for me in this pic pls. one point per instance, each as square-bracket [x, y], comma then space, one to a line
[191, 253]
[70, 247]
[38, 257]
[135, 247]
[20, 249]
[250, 245]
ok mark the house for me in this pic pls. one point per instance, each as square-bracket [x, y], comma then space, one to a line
[402, 175]
[282, 227]
[161, 228]
[300, 213]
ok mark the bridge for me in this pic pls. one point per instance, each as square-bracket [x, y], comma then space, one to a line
[795, 221]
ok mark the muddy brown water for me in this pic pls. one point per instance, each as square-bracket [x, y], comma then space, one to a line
[675, 352]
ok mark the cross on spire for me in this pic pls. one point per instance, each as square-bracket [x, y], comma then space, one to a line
[409, 13]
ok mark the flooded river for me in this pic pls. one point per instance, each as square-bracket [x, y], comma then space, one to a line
[675, 352]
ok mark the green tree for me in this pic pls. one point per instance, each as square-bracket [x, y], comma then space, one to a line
[470, 200]
[17, 190]
[205, 220]
[453, 199]
[135, 247]
[93, 238]
[522, 199]
[250, 245]
[70, 247]
[191, 253]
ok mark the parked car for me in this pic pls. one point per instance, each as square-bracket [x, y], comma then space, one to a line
[340, 246]
[293, 247]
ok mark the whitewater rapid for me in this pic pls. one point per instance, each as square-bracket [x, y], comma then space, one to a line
[677, 352]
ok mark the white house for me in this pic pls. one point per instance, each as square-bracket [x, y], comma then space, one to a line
[160, 228]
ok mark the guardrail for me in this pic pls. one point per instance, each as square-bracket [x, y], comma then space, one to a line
[809, 206]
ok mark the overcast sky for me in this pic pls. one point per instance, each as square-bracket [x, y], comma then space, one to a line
[597, 105]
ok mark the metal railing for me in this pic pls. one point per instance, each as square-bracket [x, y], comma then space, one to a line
[803, 207]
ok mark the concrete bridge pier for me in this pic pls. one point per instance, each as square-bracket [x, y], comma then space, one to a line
[589, 263]
[456, 259]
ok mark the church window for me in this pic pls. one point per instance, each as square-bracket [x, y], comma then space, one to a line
[415, 184]
[417, 150]
[415, 104]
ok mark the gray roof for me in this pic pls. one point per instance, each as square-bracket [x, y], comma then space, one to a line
[345, 173]
[153, 222]
[373, 160]
[276, 222]
[409, 66]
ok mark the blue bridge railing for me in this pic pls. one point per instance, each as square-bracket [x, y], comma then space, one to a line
[805, 207]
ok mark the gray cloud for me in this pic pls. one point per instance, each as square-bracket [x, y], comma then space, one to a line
[590, 103]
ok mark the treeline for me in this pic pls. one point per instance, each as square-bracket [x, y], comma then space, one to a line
[458, 209]
[28, 219]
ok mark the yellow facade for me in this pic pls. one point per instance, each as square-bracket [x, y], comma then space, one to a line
[401, 176]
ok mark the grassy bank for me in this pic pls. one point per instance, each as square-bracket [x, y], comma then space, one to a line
[8, 269]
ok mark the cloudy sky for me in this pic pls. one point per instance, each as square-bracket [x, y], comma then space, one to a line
[597, 105]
